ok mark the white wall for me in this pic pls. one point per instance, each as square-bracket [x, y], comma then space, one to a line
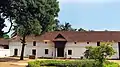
[15, 45]
[4, 52]
[116, 48]
[78, 49]
[1, 47]
[40, 48]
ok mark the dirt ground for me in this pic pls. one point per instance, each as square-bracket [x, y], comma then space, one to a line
[13, 62]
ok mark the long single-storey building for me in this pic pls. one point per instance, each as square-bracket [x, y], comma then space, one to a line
[69, 44]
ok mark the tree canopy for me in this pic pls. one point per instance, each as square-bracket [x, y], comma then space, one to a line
[34, 17]
[64, 27]
[5, 13]
[68, 27]
[6, 36]
[46, 12]
[81, 30]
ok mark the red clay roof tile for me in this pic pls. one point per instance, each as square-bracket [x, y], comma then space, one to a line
[92, 36]
[89, 36]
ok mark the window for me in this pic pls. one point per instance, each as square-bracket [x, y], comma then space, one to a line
[69, 52]
[34, 43]
[33, 52]
[98, 43]
[6, 47]
[87, 42]
[46, 51]
[45, 42]
[75, 42]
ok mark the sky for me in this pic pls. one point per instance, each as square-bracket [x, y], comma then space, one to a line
[89, 14]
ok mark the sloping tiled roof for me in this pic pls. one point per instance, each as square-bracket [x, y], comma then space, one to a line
[4, 41]
[17, 38]
[91, 36]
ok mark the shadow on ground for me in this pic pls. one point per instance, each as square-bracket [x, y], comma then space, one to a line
[9, 60]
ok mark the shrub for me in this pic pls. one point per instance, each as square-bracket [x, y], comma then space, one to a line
[34, 64]
[111, 64]
[69, 63]
[100, 53]
[62, 63]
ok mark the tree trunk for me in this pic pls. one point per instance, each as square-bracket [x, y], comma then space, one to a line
[23, 46]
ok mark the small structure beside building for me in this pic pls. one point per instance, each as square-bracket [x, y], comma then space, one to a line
[4, 48]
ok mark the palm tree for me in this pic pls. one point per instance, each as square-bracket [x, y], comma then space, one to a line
[81, 29]
[65, 27]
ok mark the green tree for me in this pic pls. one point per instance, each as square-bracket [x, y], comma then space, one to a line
[5, 13]
[46, 13]
[25, 23]
[100, 53]
[81, 30]
[34, 17]
[6, 36]
[65, 27]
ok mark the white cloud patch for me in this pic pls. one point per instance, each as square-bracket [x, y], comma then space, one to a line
[87, 1]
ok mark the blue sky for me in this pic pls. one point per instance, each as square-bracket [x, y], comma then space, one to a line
[91, 14]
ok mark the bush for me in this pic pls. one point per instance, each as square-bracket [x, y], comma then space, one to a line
[61, 63]
[69, 63]
[34, 64]
[111, 64]
[100, 53]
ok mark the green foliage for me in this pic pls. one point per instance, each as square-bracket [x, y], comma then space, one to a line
[26, 22]
[81, 30]
[63, 63]
[2, 25]
[34, 64]
[34, 17]
[32, 28]
[68, 27]
[6, 36]
[100, 53]
[111, 64]
[46, 12]
[65, 27]
[5, 13]
[69, 63]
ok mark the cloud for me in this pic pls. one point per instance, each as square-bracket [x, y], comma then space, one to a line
[87, 1]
